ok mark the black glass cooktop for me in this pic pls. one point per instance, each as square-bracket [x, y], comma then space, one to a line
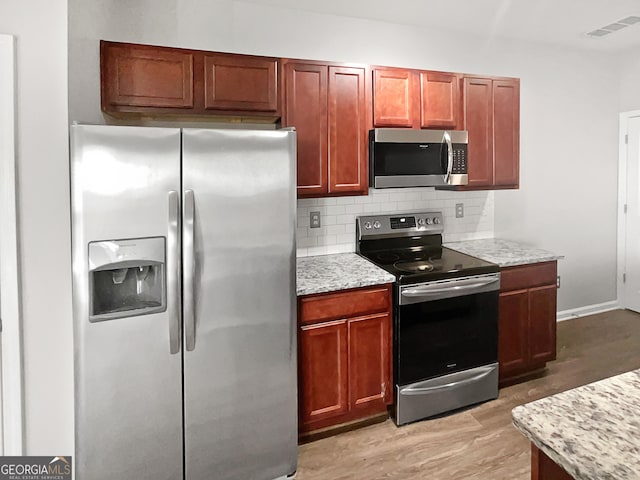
[424, 263]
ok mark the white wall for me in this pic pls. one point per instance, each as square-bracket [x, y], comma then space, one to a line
[569, 148]
[629, 81]
[40, 27]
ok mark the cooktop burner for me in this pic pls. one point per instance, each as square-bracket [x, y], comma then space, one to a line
[418, 266]
[410, 247]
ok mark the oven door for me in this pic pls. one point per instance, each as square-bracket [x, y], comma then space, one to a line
[445, 327]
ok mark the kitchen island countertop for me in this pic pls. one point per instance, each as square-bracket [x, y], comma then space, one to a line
[505, 253]
[327, 273]
[592, 432]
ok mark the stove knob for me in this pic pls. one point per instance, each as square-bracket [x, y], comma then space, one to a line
[367, 225]
[421, 221]
[436, 220]
[377, 224]
[429, 221]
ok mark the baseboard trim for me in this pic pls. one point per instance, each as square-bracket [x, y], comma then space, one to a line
[587, 310]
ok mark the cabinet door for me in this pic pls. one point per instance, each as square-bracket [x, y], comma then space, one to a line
[347, 130]
[306, 110]
[240, 82]
[323, 372]
[144, 76]
[542, 323]
[478, 121]
[393, 98]
[369, 361]
[506, 132]
[440, 99]
[513, 336]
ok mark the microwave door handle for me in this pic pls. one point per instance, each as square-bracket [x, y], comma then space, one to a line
[447, 139]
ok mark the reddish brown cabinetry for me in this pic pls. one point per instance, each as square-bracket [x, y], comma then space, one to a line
[151, 80]
[327, 104]
[415, 99]
[492, 118]
[344, 356]
[393, 97]
[527, 319]
[240, 83]
[440, 100]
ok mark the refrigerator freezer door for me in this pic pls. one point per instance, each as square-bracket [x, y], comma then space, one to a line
[240, 367]
[128, 383]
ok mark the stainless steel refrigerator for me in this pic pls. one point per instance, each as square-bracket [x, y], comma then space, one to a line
[184, 303]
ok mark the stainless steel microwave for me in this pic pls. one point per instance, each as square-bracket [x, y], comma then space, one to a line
[417, 158]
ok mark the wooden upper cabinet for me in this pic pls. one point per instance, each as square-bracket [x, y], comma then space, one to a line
[157, 81]
[440, 100]
[144, 76]
[240, 82]
[306, 109]
[328, 106]
[506, 141]
[415, 99]
[478, 121]
[393, 98]
[492, 118]
[348, 129]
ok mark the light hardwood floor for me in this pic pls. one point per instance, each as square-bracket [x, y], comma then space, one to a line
[479, 443]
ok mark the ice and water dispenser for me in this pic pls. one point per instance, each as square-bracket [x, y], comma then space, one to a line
[126, 278]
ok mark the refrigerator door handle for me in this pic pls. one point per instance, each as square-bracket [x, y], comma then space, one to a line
[189, 270]
[173, 274]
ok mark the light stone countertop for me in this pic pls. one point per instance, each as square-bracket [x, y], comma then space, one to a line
[593, 432]
[327, 273]
[503, 252]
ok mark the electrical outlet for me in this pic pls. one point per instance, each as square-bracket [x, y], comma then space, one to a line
[558, 281]
[459, 210]
[314, 219]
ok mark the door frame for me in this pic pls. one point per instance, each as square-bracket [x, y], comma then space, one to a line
[622, 198]
[11, 398]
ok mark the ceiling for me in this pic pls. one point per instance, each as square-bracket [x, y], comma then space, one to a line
[558, 22]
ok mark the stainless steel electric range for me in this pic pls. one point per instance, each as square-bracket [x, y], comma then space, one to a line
[445, 315]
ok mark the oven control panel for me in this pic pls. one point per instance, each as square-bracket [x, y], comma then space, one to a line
[395, 225]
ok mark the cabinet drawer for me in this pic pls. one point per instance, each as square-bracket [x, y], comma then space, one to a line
[527, 276]
[323, 307]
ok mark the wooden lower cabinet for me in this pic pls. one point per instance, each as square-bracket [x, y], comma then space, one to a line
[344, 363]
[369, 361]
[324, 394]
[543, 468]
[527, 319]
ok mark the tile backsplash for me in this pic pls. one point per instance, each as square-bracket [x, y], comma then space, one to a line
[337, 233]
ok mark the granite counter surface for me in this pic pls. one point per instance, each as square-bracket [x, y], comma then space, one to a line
[505, 253]
[593, 431]
[327, 273]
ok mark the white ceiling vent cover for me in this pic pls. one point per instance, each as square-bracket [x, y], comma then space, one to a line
[614, 27]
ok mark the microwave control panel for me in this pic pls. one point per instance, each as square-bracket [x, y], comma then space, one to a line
[459, 158]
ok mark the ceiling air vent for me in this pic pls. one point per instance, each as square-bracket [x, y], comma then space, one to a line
[614, 27]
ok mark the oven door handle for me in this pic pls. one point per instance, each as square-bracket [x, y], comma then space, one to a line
[417, 390]
[455, 286]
